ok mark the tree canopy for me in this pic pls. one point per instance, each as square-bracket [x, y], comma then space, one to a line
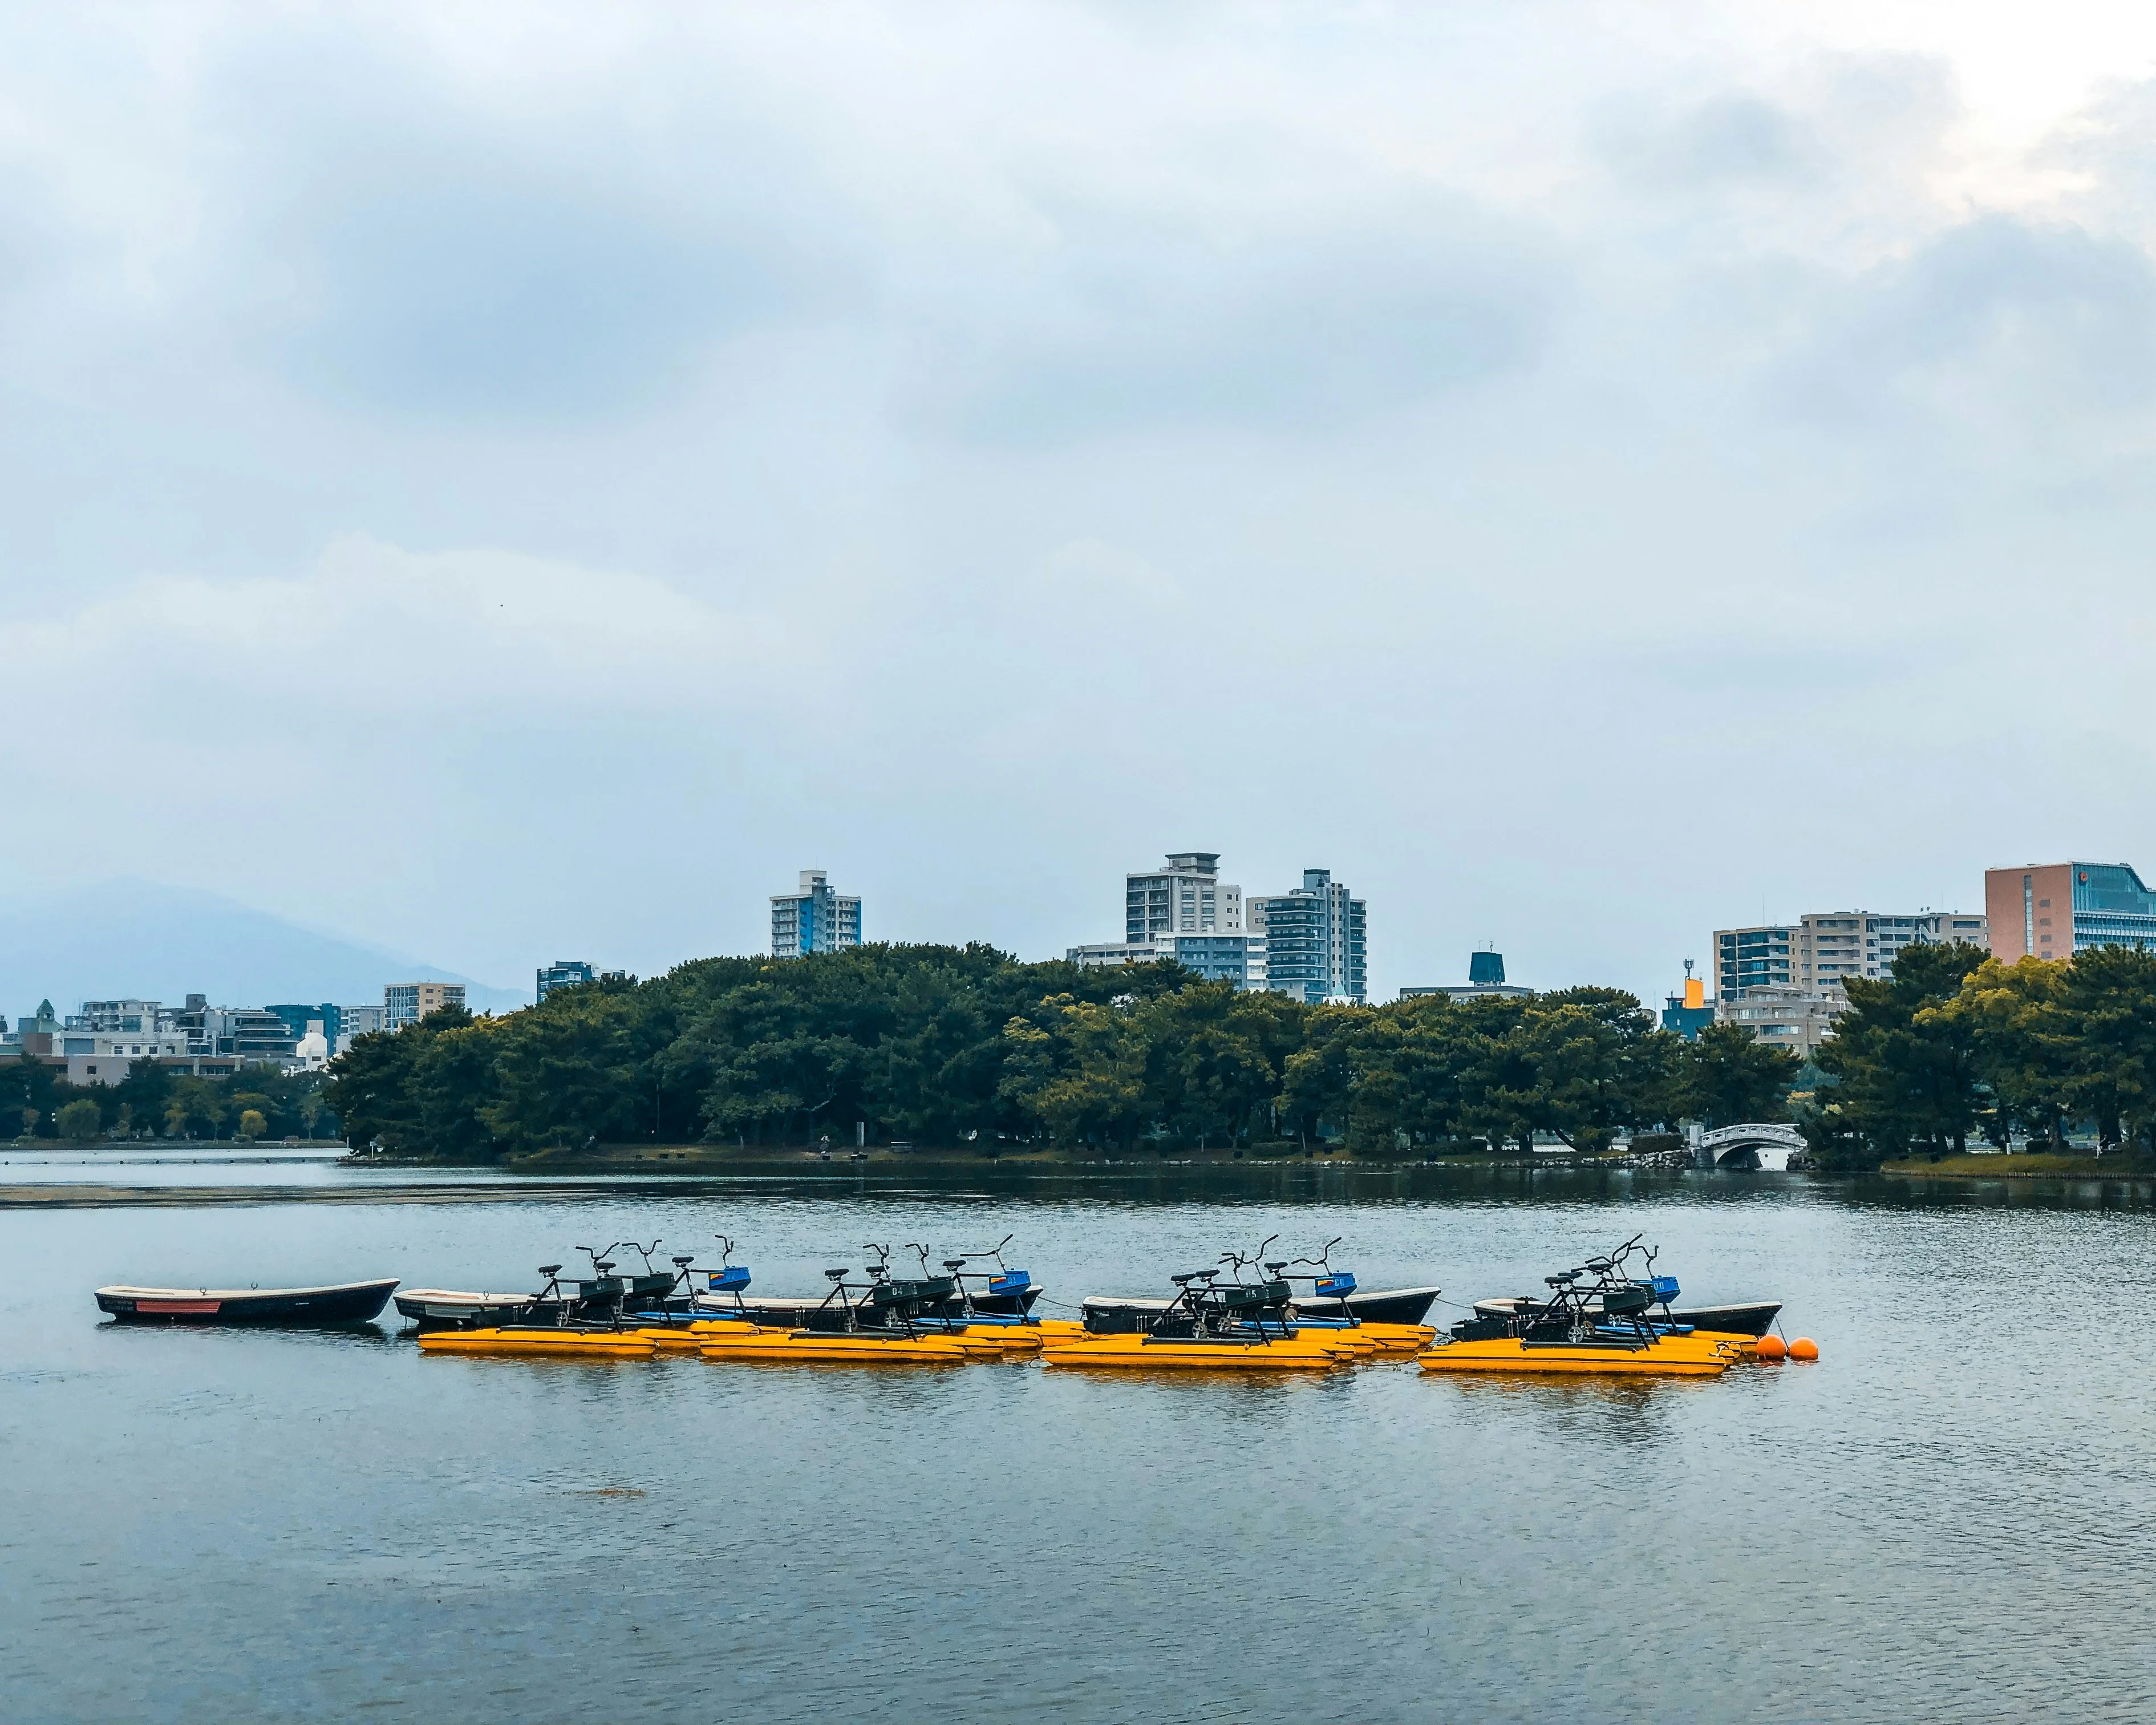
[1956, 1045]
[950, 1046]
[154, 1101]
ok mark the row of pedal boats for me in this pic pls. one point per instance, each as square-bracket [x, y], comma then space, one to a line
[1611, 1315]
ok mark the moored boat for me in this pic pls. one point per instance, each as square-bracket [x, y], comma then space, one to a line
[1376, 1306]
[1330, 1306]
[1212, 1325]
[1650, 1356]
[1596, 1319]
[991, 1321]
[1748, 1319]
[351, 1302]
[1331, 1299]
[603, 1297]
[454, 1308]
[1750, 1322]
[559, 1333]
[878, 1321]
[1005, 1297]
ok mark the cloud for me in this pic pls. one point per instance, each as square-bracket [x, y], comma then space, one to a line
[1997, 325]
[375, 630]
[1736, 138]
[1182, 319]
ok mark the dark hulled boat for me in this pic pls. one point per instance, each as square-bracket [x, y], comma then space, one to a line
[454, 1309]
[1108, 1316]
[1751, 1317]
[1754, 1319]
[352, 1302]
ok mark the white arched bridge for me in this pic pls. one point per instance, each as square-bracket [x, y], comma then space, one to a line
[1763, 1144]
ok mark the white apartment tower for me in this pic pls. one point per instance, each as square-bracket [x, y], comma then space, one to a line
[815, 919]
[1186, 898]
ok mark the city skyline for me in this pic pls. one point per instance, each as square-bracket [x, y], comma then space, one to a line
[1419, 972]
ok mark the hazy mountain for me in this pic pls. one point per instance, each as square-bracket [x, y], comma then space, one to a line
[129, 938]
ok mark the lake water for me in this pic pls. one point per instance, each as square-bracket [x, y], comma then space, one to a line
[1953, 1516]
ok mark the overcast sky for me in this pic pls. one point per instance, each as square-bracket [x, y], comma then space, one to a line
[520, 482]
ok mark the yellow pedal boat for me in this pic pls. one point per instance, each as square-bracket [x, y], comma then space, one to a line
[1145, 1353]
[1693, 1356]
[541, 1340]
[978, 1342]
[851, 1345]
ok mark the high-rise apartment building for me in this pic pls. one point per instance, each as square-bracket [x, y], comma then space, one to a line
[814, 919]
[1186, 912]
[1188, 896]
[562, 973]
[1821, 948]
[1315, 940]
[1762, 956]
[406, 1002]
[2055, 910]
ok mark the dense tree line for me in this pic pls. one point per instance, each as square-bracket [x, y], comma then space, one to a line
[1956, 1047]
[946, 1047]
[951, 1047]
[264, 1102]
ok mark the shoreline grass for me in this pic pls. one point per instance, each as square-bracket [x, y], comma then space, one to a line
[2039, 1166]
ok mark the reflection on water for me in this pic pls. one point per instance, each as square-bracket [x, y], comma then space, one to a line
[1606, 1411]
[1951, 1516]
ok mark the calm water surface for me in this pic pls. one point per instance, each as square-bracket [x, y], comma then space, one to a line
[1953, 1516]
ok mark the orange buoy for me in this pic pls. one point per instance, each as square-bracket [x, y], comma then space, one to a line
[1773, 1347]
[1804, 1347]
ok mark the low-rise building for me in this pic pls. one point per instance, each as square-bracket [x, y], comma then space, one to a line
[113, 1069]
[127, 1015]
[122, 1045]
[354, 1022]
[1237, 958]
[1688, 1013]
[249, 1034]
[1799, 1019]
[562, 973]
[298, 1016]
[311, 1052]
[1486, 981]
